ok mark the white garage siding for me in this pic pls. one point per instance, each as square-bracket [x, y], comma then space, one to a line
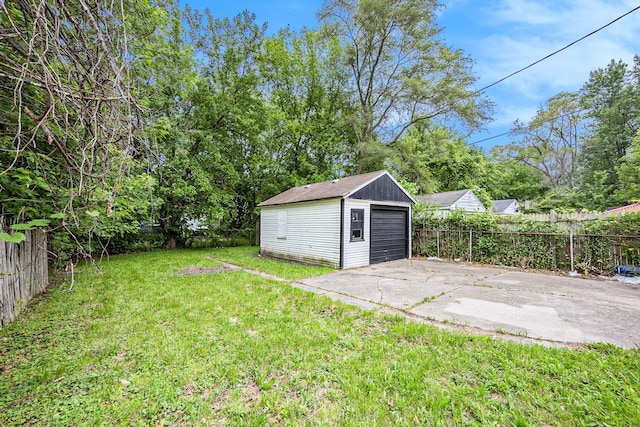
[356, 253]
[311, 232]
[303, 223]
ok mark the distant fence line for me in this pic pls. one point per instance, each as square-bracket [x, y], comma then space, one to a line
[566, 221]
[23, 271]
[585, 253]
[565, 217]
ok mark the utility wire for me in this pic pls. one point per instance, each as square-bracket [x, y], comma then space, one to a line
[479, 91]
[489, 138]
[544, 121]
[557, 51]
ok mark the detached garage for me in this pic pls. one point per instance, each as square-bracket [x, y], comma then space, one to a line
[347, 222]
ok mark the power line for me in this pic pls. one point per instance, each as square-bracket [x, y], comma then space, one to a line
[479, 91]
[544, 121]
[489, 138]
[557, 51]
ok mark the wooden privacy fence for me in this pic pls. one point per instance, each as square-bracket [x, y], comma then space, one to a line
[23, 272]
[585, 253]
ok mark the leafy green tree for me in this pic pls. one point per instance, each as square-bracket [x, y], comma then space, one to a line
[309, 135]
[195, 179]
[628, 189]
[438, 160]
[69, 115]
[550, 143]
[414, 156]
[401, 72]
[612, 98]
[249, 118]
[230, 112]
[516, 180]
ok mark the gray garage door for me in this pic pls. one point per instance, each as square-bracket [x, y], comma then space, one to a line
[389, 238]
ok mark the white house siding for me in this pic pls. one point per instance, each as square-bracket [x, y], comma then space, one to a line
[513, 209]
[312, 232]
[469, 203]
[356, 254]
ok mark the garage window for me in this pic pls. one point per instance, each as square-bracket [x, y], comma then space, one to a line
[282, 225]
[357, 224]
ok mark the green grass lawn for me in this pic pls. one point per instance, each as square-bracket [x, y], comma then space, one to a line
[247, 257]
[138, 343]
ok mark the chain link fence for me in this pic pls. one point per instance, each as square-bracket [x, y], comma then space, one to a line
[597, 254]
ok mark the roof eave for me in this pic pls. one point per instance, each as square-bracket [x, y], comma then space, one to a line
[262, 205]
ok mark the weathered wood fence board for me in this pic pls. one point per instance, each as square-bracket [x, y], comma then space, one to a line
[23, 272]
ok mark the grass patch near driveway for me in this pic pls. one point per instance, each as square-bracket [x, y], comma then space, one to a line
[248, 257]
[138, 343]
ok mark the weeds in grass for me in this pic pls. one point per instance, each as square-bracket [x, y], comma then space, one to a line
[141, 344]
[250, 258]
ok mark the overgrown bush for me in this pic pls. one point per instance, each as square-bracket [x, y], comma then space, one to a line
[598, 245]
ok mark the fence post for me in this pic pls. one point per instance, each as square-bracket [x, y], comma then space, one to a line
[571, 246]
[552, 221]
[438, 241]
[470, 245]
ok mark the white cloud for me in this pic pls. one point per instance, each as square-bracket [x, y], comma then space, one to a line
[517, 33]
[535, 29]
[567, 70]
[510, 111]
[503, 36]
[526, 12]
[569, 17]
[293, 5]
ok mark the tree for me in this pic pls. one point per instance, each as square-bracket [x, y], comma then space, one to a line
[69, 112]
[438, 160]
[308, 136]
[628, 170]
[413, 158]
[612, 98]
[543, 163]
[229, 111]
[550, 143]
[402, 73]
[64, 65]
[195, 176]
[516, 180]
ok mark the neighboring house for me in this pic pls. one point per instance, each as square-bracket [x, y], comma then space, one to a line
[347, 222]
[446, 202]
[506, 207]
[629, 208]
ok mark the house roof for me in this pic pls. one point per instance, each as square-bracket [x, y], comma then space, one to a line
[502, 205]
[337, 188]
[629, 208]
[444, 200]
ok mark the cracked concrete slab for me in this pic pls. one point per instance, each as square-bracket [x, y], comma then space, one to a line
[505, 301]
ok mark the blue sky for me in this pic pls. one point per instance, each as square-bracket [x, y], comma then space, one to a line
[501, 36]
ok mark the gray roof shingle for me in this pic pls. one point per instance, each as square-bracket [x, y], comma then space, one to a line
[337, 188]
[443, 200]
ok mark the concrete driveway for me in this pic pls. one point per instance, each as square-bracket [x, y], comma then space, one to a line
[522, 306]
